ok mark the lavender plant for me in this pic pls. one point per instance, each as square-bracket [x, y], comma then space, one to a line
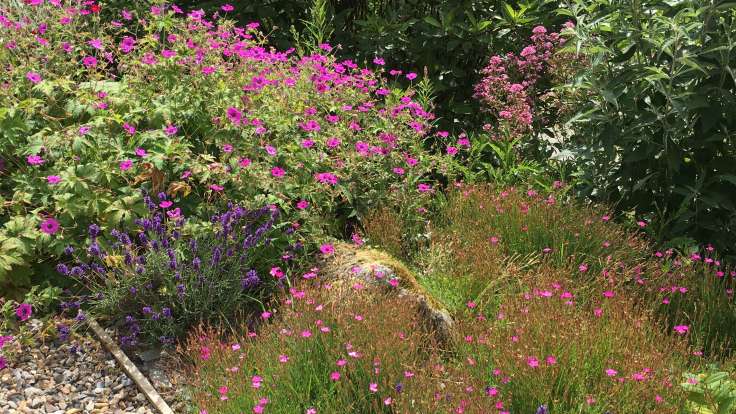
[157, 282]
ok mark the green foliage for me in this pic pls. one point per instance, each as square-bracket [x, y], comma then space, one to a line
[711, 392]
[656, 133]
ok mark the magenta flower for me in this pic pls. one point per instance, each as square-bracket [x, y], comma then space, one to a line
[34, 159]
[125, 165]
[244, 162]
[50, 226]
[23, 311]
[215, 187]
[165, 204]
[53, 179]
[171, 129]
[234, 115]
[326, 178]
[611, 372]
[302, 204]
[411, 76]
[333, 142]
[278, 172]
[227, 148]
[424, 188]
[310, 126]
[33, 77]
[175, 213]
[533, 362]
[681, 329]
[327, 249]
[89, 61]
[227, 7]
[3, 364]
[379, 61]
[130, 129]
[140, 152]
[335, 376]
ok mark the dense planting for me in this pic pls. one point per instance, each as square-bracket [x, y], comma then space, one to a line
[173, 174]
[92, 112]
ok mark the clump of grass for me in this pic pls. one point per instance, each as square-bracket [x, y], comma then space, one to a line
[330, 355]
[696, 296]
[545, 348]
[385, 229]
[527, 224]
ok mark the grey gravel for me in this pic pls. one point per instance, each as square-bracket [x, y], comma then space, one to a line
[75, 377]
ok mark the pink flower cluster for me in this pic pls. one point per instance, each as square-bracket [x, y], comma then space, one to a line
[507, 87]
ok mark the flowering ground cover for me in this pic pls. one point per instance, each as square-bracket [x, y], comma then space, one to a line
[171, 174]
[557, 310]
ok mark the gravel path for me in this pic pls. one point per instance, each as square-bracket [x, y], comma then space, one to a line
[78, 376]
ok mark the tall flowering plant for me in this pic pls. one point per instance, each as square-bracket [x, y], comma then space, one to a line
[158, 281]
[521, 94]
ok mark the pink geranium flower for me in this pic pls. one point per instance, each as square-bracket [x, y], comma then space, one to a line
[34, 159]
[33, 77]
[278, 172]
[23, 311]
[50, 226]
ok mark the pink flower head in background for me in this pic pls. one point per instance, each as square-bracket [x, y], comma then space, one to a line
[171, 129]
[23, 311]
[125, 165]
[302, 204]
[140, 152]
[681, 329]
[411, 76]
[326, 178]
[53, 179]
[89, 61]
[33, 77]
[227, 7]
[34, 160]
[278, 172]
[327, 249]
[50, 226]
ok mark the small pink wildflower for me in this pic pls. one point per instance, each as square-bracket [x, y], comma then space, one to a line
[256, 381]
[327, 249]
[335, 376]
[125, 165]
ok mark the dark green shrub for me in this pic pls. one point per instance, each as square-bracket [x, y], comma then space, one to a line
[656, 137]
